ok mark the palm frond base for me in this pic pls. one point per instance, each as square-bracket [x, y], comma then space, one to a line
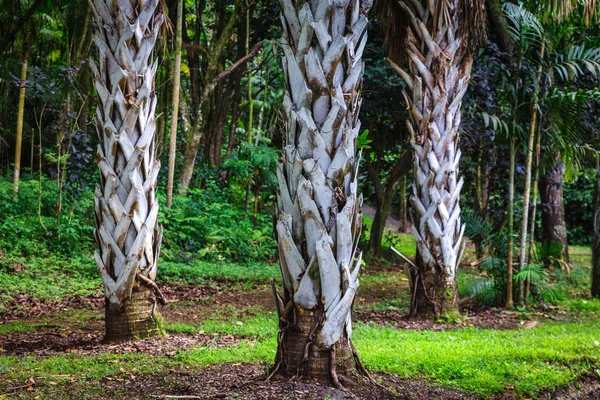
[298, 354]
[136, 318]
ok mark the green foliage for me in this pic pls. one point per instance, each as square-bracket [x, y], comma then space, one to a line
[26, 234]
[206, 226]
[578, 198]
[238, 274]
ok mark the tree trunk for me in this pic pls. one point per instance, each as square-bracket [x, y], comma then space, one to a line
[385, 196]
[136, 319]
[554, 228]
[528, 170]
[511, 222]
[189, 159]
[481, 198]
[536, 185]
[127, 233]
[379, 222]
[596, 238]
[319, 218]
[440, 67]
[403, 215]
[21, 110]
[176, 84]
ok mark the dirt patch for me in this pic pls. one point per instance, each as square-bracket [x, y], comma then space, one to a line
[198, 301]
[192, 304]
[24, 306]
[586, 387]
[481, 319]
[89, 342]
[234, 381]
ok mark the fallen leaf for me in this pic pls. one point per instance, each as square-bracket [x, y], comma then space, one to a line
[530, 324]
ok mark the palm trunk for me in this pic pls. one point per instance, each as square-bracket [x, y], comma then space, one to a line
[127, 232]
[319, 219]
[21, 111]
[440, 67]
[176, 84]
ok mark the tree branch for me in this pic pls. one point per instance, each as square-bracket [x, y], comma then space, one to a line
[239, 63]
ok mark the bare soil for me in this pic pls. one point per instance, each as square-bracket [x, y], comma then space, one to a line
[247, 381]
[88, 341]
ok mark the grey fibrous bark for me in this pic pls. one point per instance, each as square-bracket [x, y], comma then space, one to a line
[127, 233]
[176, 84]
[439, 70]
[319, 219]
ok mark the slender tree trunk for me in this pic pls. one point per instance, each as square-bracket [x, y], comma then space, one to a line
[250, 102]
[440, 68]
[511, 224]
[554, 228]
[528, 169]
[21, 110]
[174, 116]
[511, 189]
[536, 185]
[379, 222]
[319, 219]
[596, 238]
[237, 91]
[403, 215]
[481, 196]
[127, 232]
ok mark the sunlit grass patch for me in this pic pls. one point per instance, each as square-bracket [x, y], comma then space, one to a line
[484, 361]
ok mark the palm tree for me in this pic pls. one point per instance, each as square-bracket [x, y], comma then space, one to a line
[439, 66]
[437, 46]
[127, 232]
[319, 219]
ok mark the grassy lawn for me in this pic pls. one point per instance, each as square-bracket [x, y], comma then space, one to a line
[484, 362]
[478, 361]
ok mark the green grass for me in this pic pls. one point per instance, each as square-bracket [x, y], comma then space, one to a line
[478, 361]
[201, 271]
[54, 278]
[484, 361]
[260, 327]
[50, 278]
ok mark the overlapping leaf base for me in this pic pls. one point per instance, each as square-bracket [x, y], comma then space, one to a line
[127, 233]
[440, 65]
[319, 220]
